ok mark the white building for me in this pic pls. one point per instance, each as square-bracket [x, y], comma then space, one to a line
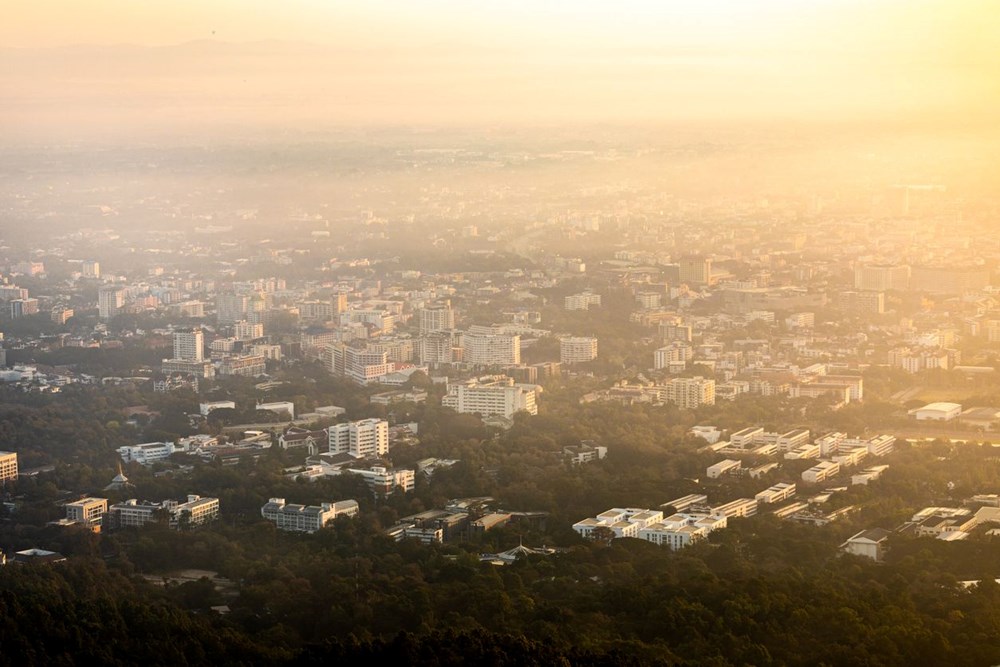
[724, 467]
[776, 494]
[306, 518]
[193, 512]
[385, 481]
[189, 345]
[690, 393]
[483, 346]
[110, 299]
[582, 301]
[821, 472]
[88, 511]
[437, 317]
[279, 407]
[494, 395]
[206, 408]
[366, 438]
[868, 543]
[939, 411]
[576, 350]
[146, 453]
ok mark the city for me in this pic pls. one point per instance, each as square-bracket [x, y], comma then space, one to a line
[705, 391]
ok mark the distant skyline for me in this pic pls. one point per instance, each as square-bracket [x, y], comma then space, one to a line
[112, 65]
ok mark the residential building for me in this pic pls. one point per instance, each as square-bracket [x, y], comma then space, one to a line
[576, 350]
[8, 466]
[110, 299]
[881, 277]
[23, 307]
[366, 438]
[250, 365]
[582, 301]
[437, 317]
[484, 346]
[690, 393]
[189, 345]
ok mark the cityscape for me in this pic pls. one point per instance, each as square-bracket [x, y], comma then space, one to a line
[554, 334]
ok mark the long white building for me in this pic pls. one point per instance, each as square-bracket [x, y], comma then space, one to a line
[577, 350]
[484, 346]
[306, 518]
[493, 395]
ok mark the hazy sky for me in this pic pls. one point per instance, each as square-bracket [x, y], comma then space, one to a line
[74, 66]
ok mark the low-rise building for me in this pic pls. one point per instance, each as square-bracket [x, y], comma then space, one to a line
[306, 518]
[778, 493]
[869, 543]
[8, 466]
[723, 467]
[821, 472]
[87, 511]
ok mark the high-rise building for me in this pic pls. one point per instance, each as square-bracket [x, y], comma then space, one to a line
[189, 345]
[696, 270]
[483, 346]
[576, 350]
[438, 317]
[22, 307]
[231, 308]
[881, 277]
[367, 438]
[8, 466]
[110, 300]
[244, 330]
[690, 392]
[91, 269]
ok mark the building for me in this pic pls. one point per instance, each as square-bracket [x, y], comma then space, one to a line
[189, 345]
[384, 481]
[484, 346]
[491, 395]
[939, 411]
[23, 307]
[821, 472]
[585, 452]
[306, 518]
[576, 350]
[8, 466]
[881, 277]
[87, 511]
[90, 268]
[110, 300]
[244, 330]
[690, 393]
[231, 308]
[776, 494]
[740, 508]
[279, 408]
[695, 270]
[868, 543]
[582, 301]
[134, 514]
[199, 369]
[249, 365]
[146, 453]
[437, 317]
[724, 467]
[367, 438]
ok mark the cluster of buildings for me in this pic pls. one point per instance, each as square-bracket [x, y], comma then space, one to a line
[95, 513]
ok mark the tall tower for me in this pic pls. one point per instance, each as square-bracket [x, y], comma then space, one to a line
[189, 345]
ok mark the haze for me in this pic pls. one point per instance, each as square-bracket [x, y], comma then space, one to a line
[71, 70]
